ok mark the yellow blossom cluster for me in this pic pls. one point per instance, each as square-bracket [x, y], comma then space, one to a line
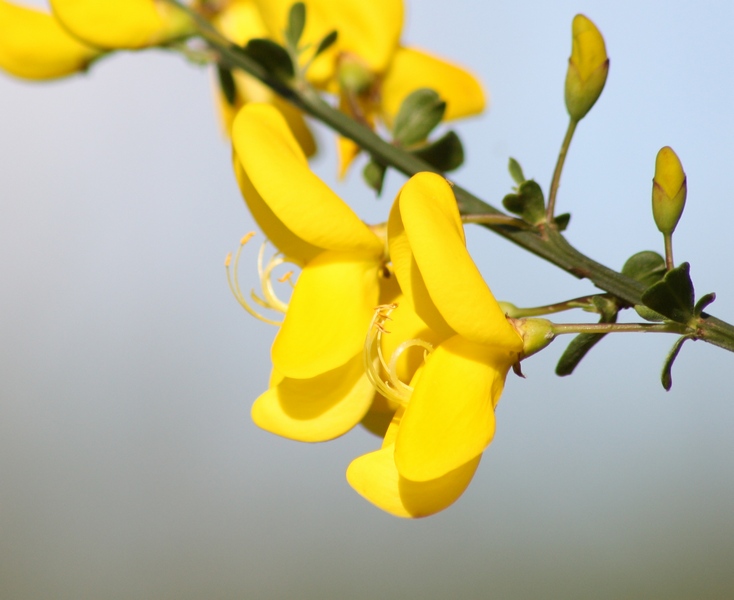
[400, 325]
[392, 325]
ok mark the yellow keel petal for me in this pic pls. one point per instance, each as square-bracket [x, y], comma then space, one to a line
[317, 409]
[450, 416]
[375, 477]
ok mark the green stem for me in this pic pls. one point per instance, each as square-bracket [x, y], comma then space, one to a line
[549, 309]
[493, 219]
[668, 238]
[551, 246]
[556, 182]
[561, 328]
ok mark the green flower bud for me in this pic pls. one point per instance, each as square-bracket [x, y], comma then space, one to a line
[354, 75]
[536, 334]
[669, 190]
[587, 68]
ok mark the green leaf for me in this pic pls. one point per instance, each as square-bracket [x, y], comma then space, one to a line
[326, 43]
[666, 378]
[581, 344]
[296, 23]
[374, 175]
[648, 313]
[647, 267]
[419, 113]
[673, 296]
[516, 171]
[562, 221]
[227, 84]
[528, 202]
[445, 154]
[272, 56]
[703, 302]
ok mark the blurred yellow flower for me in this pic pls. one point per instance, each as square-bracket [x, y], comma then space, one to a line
[446, 419]
[240, 21]
[121, 24]
[367, 67]
[34, 46]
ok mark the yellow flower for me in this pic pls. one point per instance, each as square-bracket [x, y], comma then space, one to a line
[34, 46]
[240, 21]
[118, 24]
[367, 66]
[446, 421]
[319, 389]
[587, 68]
[669, 190]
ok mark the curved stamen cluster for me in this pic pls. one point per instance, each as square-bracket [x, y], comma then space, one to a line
[270, 299]
[377, 368]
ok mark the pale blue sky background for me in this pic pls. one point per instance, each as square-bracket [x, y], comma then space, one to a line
[128, 462]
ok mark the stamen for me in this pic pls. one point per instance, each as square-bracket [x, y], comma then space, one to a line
[285, 277]
[374, 361]
[271, 301]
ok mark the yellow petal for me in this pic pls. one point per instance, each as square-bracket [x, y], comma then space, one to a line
[113, 24]
[409, 276]
[450, 415]
[297, 124]
[328, 315]
[371, 30]
[278, 170]
[293, 247]
[317, 409]
[435, 234]
[375, 477]
[34, 46]
[378, 417]
[240, 21]
[412, 69]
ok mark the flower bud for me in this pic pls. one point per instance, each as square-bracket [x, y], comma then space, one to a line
[536, 334]
[669, 189]
[354, 75]
[587, 68]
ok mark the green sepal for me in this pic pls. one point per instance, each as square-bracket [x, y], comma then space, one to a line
[419, 113]
[445, 154]
[374, 175]
[296, 23]
[666, 378]
[703, 302]
[579, 346]
[227, 84]
[516, 171]
[528, 202]
[272, 56]
[673, 296]
[562, 221]
[647, 267]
